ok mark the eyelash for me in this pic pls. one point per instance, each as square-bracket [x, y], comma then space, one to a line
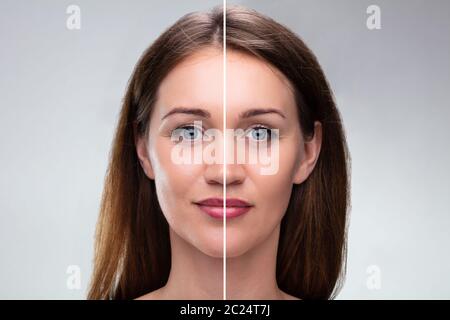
[270, 131]
[184, 126]
[272, 134]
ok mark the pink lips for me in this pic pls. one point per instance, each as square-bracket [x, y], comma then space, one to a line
[214, 207]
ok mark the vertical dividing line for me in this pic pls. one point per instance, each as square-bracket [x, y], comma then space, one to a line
[224, 151]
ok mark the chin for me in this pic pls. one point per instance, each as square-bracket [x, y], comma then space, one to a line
[213, 252]
[211, 245]
[238, 244]
[236, 248]
[233, 251]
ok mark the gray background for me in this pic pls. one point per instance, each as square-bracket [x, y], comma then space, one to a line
[60, 94]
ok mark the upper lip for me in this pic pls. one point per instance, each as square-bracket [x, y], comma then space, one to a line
[218, 202]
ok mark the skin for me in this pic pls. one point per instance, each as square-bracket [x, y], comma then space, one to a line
[196, 238]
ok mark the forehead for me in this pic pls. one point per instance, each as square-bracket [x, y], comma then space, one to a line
[198, 81]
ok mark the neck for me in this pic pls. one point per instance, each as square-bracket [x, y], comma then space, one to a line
[195, 275]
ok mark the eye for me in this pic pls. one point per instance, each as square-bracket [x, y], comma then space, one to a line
[188, 132]
[261, 133]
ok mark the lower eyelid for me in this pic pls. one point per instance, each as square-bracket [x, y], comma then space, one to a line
[203, 130]
[185, 127]
[272, 134]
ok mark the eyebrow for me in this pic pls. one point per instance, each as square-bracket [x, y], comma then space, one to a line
[257, 111]
[205, 114]
[194, 111]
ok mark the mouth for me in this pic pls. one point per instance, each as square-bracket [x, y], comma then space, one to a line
[214, 207]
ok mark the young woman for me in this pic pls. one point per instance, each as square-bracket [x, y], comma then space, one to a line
[160, 232]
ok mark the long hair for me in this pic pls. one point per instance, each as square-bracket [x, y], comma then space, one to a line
[132, 246]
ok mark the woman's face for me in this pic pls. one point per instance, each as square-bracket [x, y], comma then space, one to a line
[197, 83]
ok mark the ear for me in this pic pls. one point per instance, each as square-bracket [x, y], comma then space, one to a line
[311, 154]
[143, 155]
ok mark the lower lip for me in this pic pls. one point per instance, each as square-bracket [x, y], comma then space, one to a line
[217, 212]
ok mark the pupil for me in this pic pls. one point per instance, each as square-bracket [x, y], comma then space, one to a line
[260, 134]
[191, 133]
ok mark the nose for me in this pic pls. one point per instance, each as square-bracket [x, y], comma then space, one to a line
[234, 175]
[232, 172]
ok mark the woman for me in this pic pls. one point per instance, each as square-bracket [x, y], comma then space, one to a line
[157, 235]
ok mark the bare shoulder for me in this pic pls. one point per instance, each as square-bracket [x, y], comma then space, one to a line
[158, 295]
[289, 297]
[153, 295]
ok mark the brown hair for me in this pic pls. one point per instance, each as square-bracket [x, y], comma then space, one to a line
[132, 250]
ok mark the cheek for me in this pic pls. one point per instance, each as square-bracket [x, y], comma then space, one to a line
[173, 181]
[274, 190]
[271, 196]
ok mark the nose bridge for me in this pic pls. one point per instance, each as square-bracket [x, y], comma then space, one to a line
[235, 171]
